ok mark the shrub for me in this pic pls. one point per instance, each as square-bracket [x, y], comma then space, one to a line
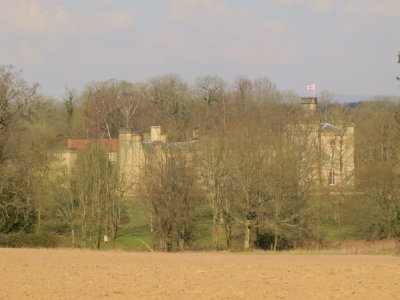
[28, 240]
[266, 241]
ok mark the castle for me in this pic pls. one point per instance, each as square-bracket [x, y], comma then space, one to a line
[333, 146]
[128, 151]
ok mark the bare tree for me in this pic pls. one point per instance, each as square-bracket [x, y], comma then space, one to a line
[101, 107]
[21, 166]
[167, 100]
[15, 95]
[380, 181]
[62, 202]
[214, 179]
[377, 162]
[168, 92]
[129, 98]
[264, 89]
[210, 88]
[246, 157]
[95, 184]
[169, 188]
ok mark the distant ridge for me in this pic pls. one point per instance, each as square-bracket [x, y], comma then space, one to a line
[343, 98]
[350, 99]
[353, 104]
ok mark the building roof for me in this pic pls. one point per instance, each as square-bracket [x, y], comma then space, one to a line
[328, 127]
[80, 144]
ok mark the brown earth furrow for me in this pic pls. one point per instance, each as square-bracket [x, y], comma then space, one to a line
[80, 274]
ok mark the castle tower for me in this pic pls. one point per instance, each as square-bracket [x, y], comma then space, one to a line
[310, 105]
[155, 133]
[130, 158]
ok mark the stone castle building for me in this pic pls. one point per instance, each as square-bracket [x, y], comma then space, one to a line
[331, 144]
[129, 151]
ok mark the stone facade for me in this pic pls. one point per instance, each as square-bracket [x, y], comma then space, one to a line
[128, 151]
[328, 148]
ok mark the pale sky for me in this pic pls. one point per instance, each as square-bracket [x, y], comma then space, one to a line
[343, 46]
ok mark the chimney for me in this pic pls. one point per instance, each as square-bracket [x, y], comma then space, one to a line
[155, 133]
[310, 104]
[69, 142]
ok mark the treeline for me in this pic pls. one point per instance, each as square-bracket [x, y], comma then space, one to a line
[253, 179]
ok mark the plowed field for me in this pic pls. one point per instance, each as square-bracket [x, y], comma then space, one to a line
[79, 274]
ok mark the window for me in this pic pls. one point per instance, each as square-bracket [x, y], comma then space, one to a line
[332, 177]
[332, 143]
[332, 157]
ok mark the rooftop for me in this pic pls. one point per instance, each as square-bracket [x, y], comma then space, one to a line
[80, 144]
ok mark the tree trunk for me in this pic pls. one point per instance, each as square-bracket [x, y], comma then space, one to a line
[247, 234]
[228, 232]
[73, 237]
[151, 222]
[275, 240]
[215, 231]
[39, 216]
[98, 238]
[257, 241]
[181, 244]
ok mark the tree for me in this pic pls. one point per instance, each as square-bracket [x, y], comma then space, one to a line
[16, 211]
[25, 169]
[214, 179]
[169, 189]
[264, 90]
[62, 201]
[22, 158]
[325, 101]
[377, 135]
[210, 88]
[69, 103]
[246, 157]
[101, 107]
[69, 100]
[284, 213]
[167, 99]
[377, 163]
[242, 91]
[128, 101]
[267, 180]
[15, 96]
[168, 92]
[95, 184]
[380, 182]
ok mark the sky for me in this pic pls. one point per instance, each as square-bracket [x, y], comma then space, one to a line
[345, 47]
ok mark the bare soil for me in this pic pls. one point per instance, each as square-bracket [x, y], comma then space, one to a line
[80, 274]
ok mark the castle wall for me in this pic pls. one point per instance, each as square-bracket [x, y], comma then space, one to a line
[130, 159]
[328, 151]
[337, 151]
[65, 160]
